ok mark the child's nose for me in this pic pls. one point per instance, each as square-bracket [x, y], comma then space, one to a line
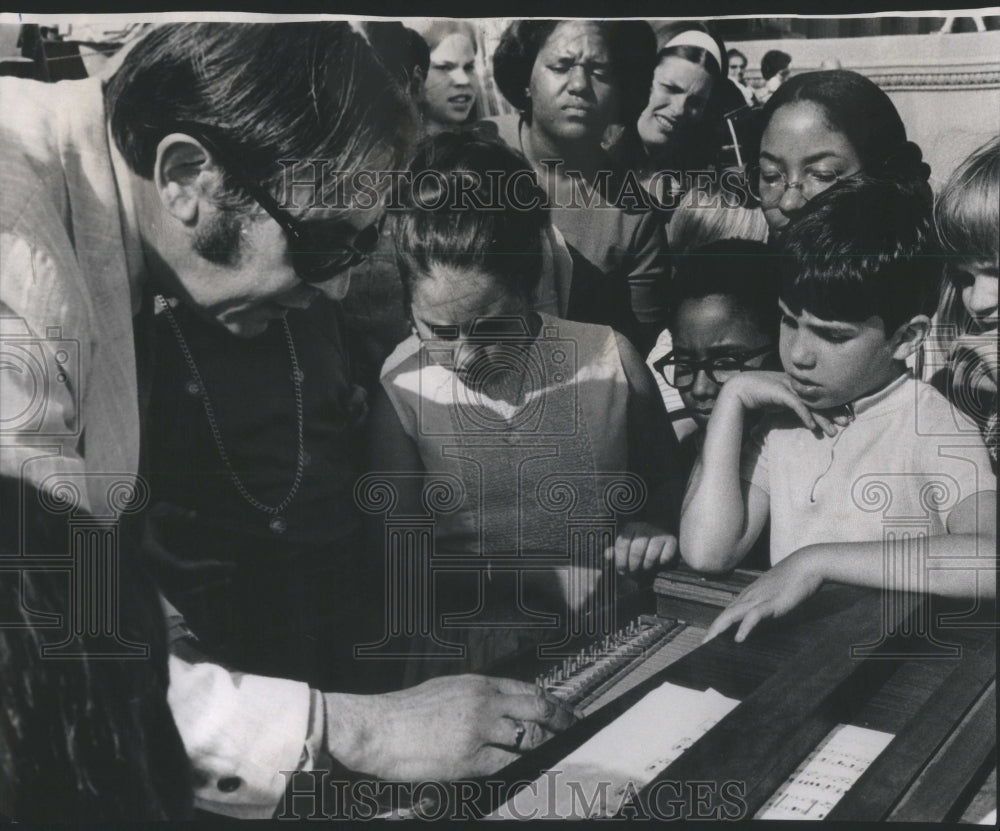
[703, 387]
[981, 297]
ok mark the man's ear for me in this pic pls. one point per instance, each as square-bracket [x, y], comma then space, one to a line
[183, 172]
[908, 337]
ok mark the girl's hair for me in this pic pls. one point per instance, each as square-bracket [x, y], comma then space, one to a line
[967, 210]
[470, 204]
[692, 54]
[631, 47]
[435, 30]
[856, 107]
[967, 213]
[704, 216]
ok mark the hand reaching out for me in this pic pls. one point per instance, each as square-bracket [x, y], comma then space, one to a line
[774, 593]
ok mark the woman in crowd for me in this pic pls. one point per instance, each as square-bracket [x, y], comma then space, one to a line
[676, 130]
[512, 402]
[569, 81]
[451, 89]
[822, 127]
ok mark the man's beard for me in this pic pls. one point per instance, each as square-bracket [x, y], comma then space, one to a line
[219, 241]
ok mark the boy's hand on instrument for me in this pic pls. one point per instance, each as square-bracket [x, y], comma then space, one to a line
[773, 390]
[774, 593]
[641, 546]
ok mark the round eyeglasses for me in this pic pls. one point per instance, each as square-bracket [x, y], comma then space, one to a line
[768, 185]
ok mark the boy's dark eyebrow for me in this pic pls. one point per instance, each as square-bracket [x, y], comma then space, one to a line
[823, 326]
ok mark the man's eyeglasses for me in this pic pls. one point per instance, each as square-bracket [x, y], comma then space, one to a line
[315, 257]
[769, 186]
[680, 373]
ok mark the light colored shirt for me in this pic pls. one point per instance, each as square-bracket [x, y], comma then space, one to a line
[907, 458]
[70, 282]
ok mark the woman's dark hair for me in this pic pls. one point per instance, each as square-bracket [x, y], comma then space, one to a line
[743, 270]
[83, 738]
[856, 107]
[861, 248]
[268, 92]
[470, 204]
[631, 47]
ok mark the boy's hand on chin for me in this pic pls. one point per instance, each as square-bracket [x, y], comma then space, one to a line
[761, 390]
[774, 593]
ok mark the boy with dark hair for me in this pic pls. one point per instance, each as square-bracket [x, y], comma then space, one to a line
[858, 273]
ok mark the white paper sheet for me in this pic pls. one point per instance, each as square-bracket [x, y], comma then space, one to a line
[622, 758]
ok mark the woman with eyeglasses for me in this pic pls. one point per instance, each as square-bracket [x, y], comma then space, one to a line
[822, 127]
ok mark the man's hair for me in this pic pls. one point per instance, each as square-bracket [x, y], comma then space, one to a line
[968, 208]
[862, 248]
[439, 223]
[264, 93]
[83, 738]
[742, 270]
[631, 48]
[774, 62]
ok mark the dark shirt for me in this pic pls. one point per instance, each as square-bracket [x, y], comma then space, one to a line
[266, 596]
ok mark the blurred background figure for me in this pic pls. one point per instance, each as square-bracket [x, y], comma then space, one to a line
[774, 69]
[737, 74]
[831, 63]
[451, 90]
[82, 739]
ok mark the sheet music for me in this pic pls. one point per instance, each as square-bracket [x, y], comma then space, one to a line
[619, 760]
[826, 774]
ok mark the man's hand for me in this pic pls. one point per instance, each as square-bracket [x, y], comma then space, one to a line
[641, 546]
[447, 728]
[774, 593]
[773, 390]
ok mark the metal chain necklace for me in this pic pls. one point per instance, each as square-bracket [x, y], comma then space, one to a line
[277, 523]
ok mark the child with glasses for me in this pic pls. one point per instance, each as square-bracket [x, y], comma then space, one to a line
[531, 417]
[848, 438]
[723, 321]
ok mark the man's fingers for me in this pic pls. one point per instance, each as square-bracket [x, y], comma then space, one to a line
[623, 543]
[538, 709]
[825, 424]
[503, 732]
[511, 686]
[669, 549]
[726, 618]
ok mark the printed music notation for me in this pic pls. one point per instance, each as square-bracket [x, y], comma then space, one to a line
[826, 774]
[618, 761]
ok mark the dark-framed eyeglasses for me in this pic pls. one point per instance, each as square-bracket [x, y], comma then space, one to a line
[315, 257]
[680, 373]
[768, 186]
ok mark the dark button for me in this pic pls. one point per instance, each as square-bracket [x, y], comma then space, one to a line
[306, 458]
[228, 784]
